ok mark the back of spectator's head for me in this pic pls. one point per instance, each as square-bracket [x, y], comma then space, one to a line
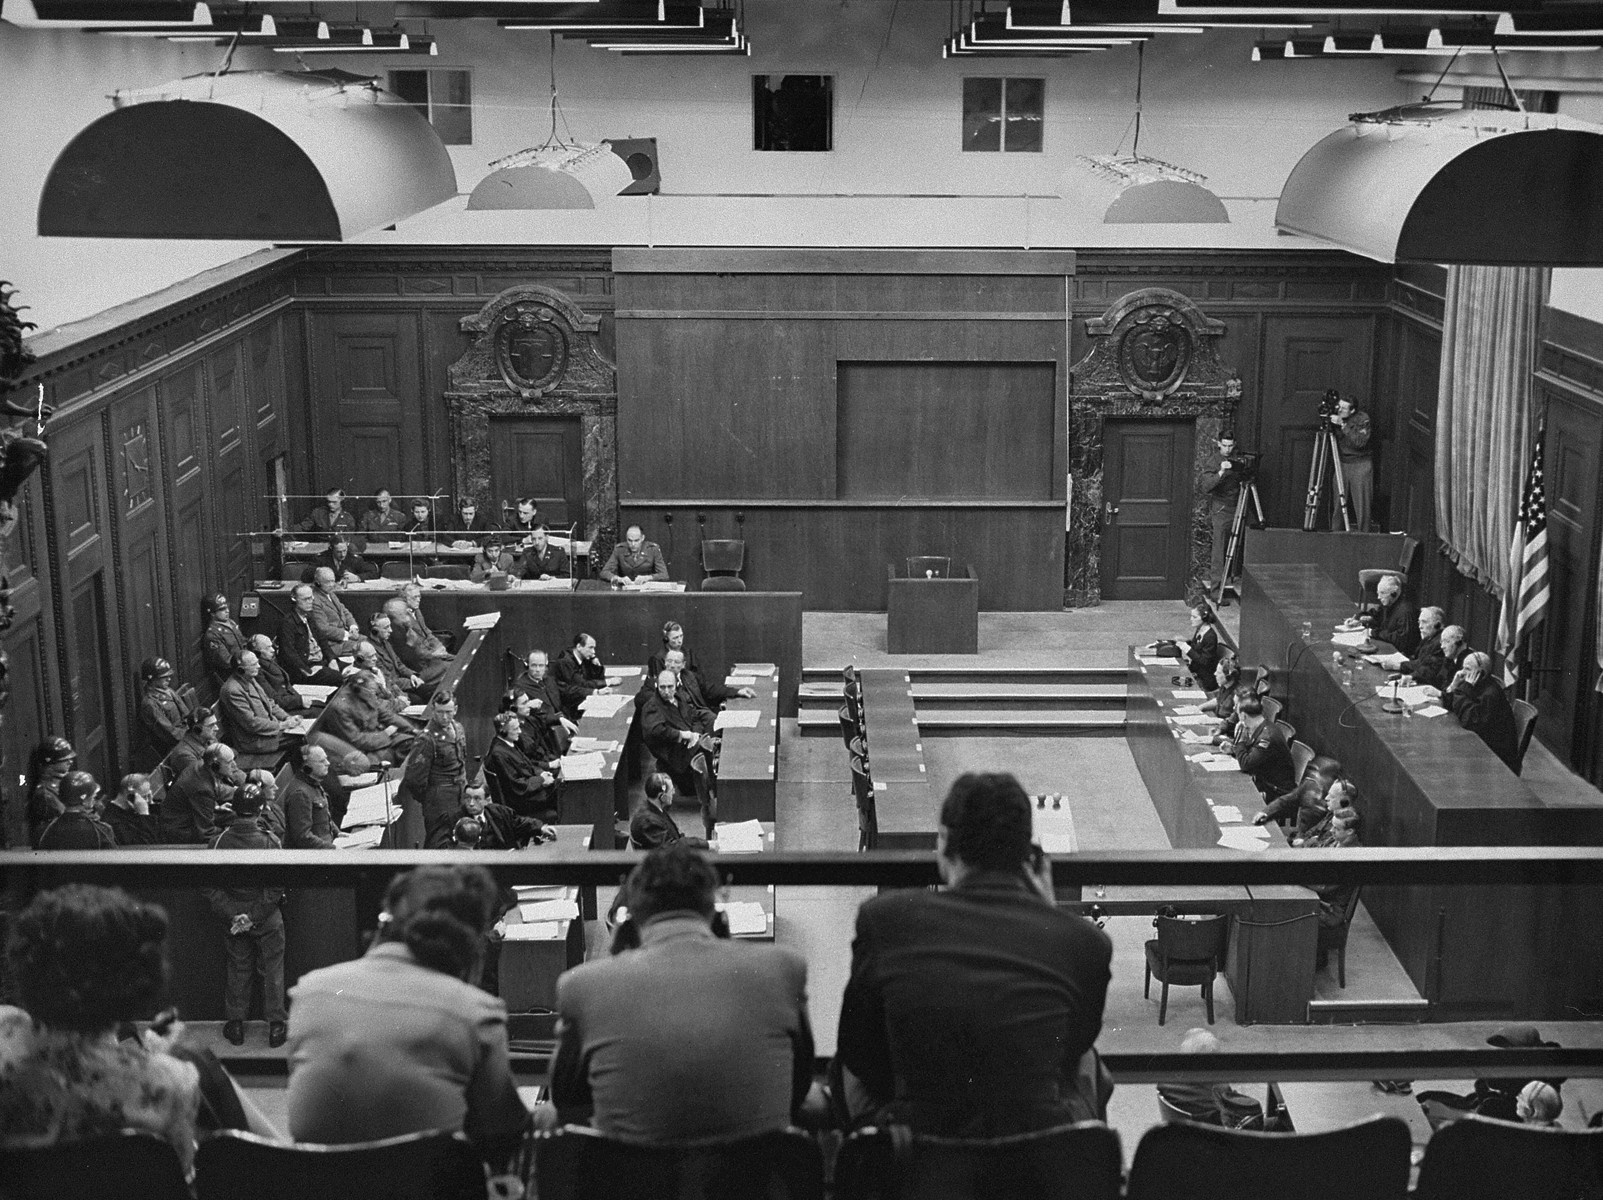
[1539, 1103]
[1199, 1041]
[986, 822]
[153, 669]
[78, 790]
[672, 878]
[85, 958]
[441, 915]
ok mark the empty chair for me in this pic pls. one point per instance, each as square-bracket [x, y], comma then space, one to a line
[1301, 755]
[580, 1164]
[1081, 1162]
[1334, 937]
[1290, 730]
[1188, 1161]
[1188, 952]
[1474, 1158]
[417, 1166]
[722, 560]
[1369, 577]
[396, 568]
[929, 566]
[112, 1167]
[1271, 708]
[1524, 728]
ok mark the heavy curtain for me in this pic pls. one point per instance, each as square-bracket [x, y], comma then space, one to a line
[1484, 421]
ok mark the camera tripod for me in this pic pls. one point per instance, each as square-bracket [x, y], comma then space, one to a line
[1238, 531]
[1327, 460]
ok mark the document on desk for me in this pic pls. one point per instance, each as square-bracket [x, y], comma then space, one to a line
[310, 692]
[739, 837]
[584, 766]
[1244, 837]
[414, 710]
[764, 670]
[487, 620]
[589, 745]
[365, 838]
[1345, 638]
[1217, 765]
[816, 690]
[1227, 814]
[1190, 694]
[542, 891]
[737, 718]
[565, 909]
[373, 805]
[1413, 696]
[1194, 719]
[533, 931]
[1187, 710]
[1192, 738]
[545, 585]
[298, 725]
[745, 917]
[1431, 710]
[605, 707]
[740, 681]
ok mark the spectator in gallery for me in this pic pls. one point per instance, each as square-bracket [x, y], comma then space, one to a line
[436, 768]
[273, 677]
[84, 959]
[634, 559]
[736, 1058]
[161, 712]
[202, 731]
[972, 1011]
[329, 516]
[344, 559]
[308, 824]
[363, 1067]
[305, 657]
[189, 807]
[383, 517]
[49, 764]
[129, 813]
[542, 560]
[223, 639]
[255, 938]
[77, 827]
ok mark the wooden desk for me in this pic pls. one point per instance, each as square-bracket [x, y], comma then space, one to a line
[761, 895]
[904, 809]
[1473, 952]
[932, 616]
[722, 627]
[527, 971]
[749, 761]
[598, 803]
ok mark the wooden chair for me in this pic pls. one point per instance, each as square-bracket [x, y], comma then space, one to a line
[1524, 729]
[936, 566]
[723, 583]
[1187, 952]
[1080, 1161]
[1188, 1161]
[112, 1167]
[867, 809]
[1474, 1158]
[1271, 708]
[435, 1165]
[722, 560]
[573, 1163]
[1287, 728]
[1301, 755]
[1334, 937]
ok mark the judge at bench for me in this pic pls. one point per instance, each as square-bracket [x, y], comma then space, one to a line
[635, 558]
[1482, 707]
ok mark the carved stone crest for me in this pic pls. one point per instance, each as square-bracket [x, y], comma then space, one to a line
[532, 341]
[531, 348]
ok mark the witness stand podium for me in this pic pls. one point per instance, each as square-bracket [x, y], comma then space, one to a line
[927, 612]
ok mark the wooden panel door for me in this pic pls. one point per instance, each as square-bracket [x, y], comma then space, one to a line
[1563, 652]
[189, 512]
[89, 679]
[1303, 358]
[1147, 485]
[539, 457]
[368, 405]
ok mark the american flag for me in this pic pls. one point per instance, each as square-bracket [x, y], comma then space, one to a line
[1525, 603]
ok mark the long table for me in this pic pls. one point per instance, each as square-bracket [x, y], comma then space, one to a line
[1274, 935]
[1471, 951]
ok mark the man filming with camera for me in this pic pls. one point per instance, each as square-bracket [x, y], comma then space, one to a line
[1352, 429]
[1223, 486]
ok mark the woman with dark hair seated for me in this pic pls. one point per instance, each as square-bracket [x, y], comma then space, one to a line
[401, 1040]
[83, 959]
[1202, 648]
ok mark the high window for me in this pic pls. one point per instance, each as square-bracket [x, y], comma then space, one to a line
[1002, 114]
[445, 98]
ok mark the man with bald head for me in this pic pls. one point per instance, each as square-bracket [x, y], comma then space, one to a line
[273, 677]
[1482, 707]
[634, 558]
[335, 626]
[680, 734]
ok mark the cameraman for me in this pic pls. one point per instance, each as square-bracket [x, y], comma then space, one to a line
[1352, 430]
[1224, 490]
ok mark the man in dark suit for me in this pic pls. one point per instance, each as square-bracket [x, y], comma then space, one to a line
[1426, 661]
[1260, 746]
[1391, 618]
[578, 674]
[189, 807]
[499, 827]
[1482, 707]
[471, 523]
[525, 786]
[273, 677]
[711, 694]
[344, 559]
[535, 681]
[542, 560]
[969, 1010]
[652, 824]
[1454, 649]
[399, 676]
[680, 735]
[302, 653]
[690, 1037]
[308, 823]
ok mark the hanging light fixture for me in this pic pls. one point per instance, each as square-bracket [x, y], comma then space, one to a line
[257, 155]
[562, 172]
[1137, 189]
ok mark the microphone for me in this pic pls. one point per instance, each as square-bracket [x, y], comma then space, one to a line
[1394, 705]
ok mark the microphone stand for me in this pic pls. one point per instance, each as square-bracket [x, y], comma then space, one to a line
[1395, 705]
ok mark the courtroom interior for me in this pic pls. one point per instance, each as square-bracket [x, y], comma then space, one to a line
[558, 554]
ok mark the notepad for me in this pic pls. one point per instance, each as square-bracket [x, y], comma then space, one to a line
[740, 681]
[740, 837]
[1431, 710]
[1413, 696]
[601, 706]
[745, 917]
[1189, 694]
[1358, 638]
[737, 718]
[414, 710]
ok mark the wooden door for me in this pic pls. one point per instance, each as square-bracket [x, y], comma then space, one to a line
[89, 680]
[539, 457]
[1147, 485]
[368, 405]
[1563, 653]
[1303, 358]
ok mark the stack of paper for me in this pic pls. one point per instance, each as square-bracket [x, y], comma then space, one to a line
[372, 805]
[764, 670]
[1413, 696]
[543, 585]
[414, 710]
[1227, 814]
[740, 681]
[1244, 837]
[482, 620]
[530, 893]
[745, 917]
[737, 718]
[548, 910]
[1187, 710]
[365, 779]
[584, 766]
[1220, 764]
[655, 585]
[604, 707]
[314, 692]
[1194, 719]
[1192, 738]
[739, 837]
[1430, 710]
[533, 931]
[1190, 694]
[1358, 638]
[589, 745]
[362, 839]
